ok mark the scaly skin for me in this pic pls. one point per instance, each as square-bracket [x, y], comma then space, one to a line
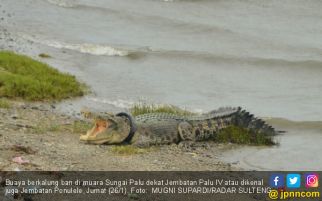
[163, 128]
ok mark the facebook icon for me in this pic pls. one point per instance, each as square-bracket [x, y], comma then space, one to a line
[276, 181]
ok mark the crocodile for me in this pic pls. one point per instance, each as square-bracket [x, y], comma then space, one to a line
[164, 128]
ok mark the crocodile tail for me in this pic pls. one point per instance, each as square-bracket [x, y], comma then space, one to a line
[244, 119]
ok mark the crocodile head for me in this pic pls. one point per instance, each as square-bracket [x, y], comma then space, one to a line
[108, 129]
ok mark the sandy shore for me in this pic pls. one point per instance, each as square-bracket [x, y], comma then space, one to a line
[44, 137]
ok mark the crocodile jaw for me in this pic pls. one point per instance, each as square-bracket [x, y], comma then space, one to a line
[105, 133]
[102, 138]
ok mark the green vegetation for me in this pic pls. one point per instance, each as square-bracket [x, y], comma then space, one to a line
[39, 129]
[23, 77]
[55, 128]
[79, 127]
[144, 108]
[239, 135]
[42, 128]
[82, 127]
[44, 55]
[4, 104]
[129, 150]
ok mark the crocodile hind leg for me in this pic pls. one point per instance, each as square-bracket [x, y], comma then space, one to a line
[190, 138]
[185, 131]
[187, 137]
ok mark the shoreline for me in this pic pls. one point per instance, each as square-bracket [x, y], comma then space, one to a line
[53, 148]
[68, 61]
[57, 147]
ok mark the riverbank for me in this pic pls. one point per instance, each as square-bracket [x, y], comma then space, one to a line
[29, 79]
[46, 139]
[216, 67]
[37, 136]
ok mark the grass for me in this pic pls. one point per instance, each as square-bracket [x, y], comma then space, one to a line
[144, 108]
[39, 129]
[4, 104]
[26, 78]
[54, 128]
[81, 127]
[238, 135]
[129, 150]
[42, 128]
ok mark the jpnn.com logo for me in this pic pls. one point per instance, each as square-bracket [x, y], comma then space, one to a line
[286, 195]
[293, 181]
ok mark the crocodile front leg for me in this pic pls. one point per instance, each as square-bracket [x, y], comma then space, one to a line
[141, 139]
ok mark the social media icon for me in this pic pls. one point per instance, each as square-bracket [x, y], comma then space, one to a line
[293, 180]
[312, 180]
[276, 180]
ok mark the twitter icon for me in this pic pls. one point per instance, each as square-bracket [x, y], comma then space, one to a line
[293, 180]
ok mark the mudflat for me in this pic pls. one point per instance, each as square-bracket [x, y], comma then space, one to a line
[46, 139]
